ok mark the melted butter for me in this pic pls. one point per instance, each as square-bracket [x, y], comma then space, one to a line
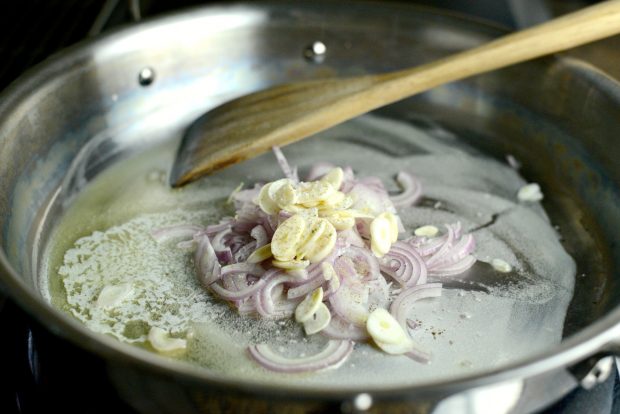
[104, 240]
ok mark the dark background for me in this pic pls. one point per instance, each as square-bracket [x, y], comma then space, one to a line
[31, 30]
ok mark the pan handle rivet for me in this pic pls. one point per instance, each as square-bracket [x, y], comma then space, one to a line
[146, 76]
[599, 373]
[359, 404]
[362, 402]
[315, 52]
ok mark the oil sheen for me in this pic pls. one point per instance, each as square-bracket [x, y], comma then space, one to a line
[499, 318]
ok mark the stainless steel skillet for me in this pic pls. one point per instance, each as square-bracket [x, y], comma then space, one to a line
[557, 115]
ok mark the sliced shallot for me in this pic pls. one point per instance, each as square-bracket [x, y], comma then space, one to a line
[207, 266]
[332, 240]
[412, 190]
[332, 356]
[238, 294]
[401, 308]
[289, 172]
[404, 264]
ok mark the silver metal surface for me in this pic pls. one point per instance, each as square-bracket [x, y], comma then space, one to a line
[529, 12]
[558, 116]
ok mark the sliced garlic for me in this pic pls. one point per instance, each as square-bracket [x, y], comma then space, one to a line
[293, 209]
[260, 254]
[324, 244]
[328, 271]
[396, 349]
[334, 177]
[335, 201]
[310, 214]
[339, 202]
[426, 231]
[113, 295]
[312, 193]
[530, 193]
[309, 305]
[380, 236]
[391, 218]
[312, 234]
[291, 264]
[360, 214]
[162, 342]
[383, 328]
[301, 274]
[318, 321]
[265, 202]
[334, 283]
[287, 236]
[285, 195]
[501, 265]
[276, 185]
[341, 220]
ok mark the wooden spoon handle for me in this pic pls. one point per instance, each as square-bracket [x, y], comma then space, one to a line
[250, 125]
[575, 29]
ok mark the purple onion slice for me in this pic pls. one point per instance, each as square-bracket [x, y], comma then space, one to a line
[332, 356]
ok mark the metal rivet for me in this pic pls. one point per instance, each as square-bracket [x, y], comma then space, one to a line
[599, 373]
[146, 76]
[362, 402]
[359, 404]
[315, 52]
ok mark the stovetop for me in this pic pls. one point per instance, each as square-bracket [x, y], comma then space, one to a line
[45, 373]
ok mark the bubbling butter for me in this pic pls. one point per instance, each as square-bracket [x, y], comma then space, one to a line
[88, 259]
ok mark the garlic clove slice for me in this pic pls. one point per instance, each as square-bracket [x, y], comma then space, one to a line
[113, 295]
[309, 305]
[162, 342]
[384, 328]
[318, 321]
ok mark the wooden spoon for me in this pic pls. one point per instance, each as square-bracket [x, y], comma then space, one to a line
[252, 124]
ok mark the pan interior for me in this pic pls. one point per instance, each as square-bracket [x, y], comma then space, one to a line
[480, 323]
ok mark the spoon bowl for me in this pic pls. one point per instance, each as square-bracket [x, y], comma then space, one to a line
[252, 124]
